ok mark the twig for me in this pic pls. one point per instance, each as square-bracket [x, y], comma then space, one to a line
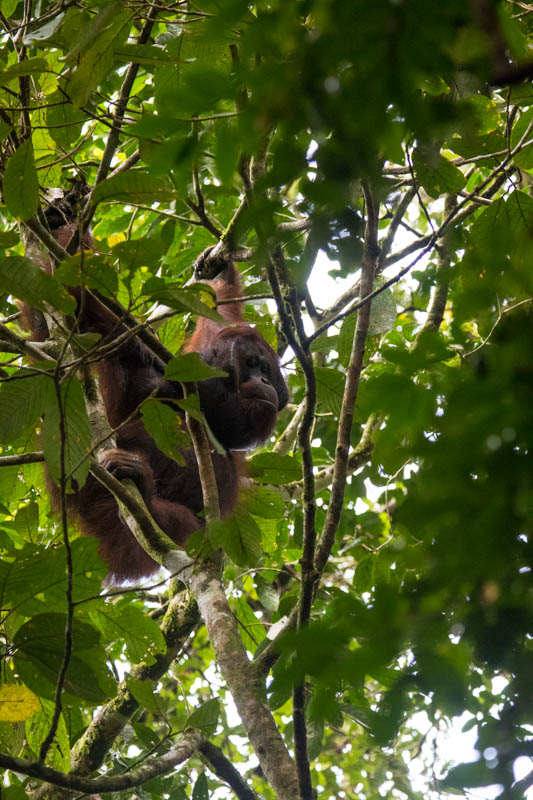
[440, 296]
[288, 437]
[27, 348]
[225, 770]
[22, 458]
[399, 214]
[67, 653]
[120, 109]
[353, 374]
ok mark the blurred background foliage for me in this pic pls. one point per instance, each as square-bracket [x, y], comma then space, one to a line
[424, 614]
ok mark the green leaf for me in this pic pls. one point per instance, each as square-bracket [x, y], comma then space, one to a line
[275, 469]
[21, 185]
[135, 186]
[383, 312]
[146, 694]
[268, 596]
[90, 270]
[330, 388]
[265, 503]
[201, 788]
[227, 147]
[108, 29]
[40, 645]
[436, 174]
[523, 159]
[63, 120]
[9, 7]
[31, 66]
[27, 521]
[21, 404]
[345, 338]
[205, 718]
[8, 239]
[239, 536]
[188, 300]
[469, 775]
[364, 578]
[36, 579]
[251, 629]
[77, 434]
[141, 634]
[165, 426]
[36, 730]
[191, 405]
[24, 280]
[145, 54]
[190, 367]
[141, 252]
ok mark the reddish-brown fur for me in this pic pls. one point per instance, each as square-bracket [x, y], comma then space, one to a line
[241, 411]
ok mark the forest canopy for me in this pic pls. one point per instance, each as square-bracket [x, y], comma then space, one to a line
[368, 166]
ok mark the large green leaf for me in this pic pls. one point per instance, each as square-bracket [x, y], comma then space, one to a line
[239, 536]
[92, 271]
[190, 367]
[165, 425]
[21, 404]
[21, 184]
[190, 299]
[67, 434]
[109, 28]
[126, 622]
[35, 580]
[24, 280]
[435, 173]
[31, 66]
[64, 121]
[275, 469]
[40, 644]
[135, 186]
[330, 388]
[205, 718]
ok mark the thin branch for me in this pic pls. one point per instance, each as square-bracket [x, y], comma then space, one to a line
[69, 615]
[440, 295]
[353, 375]
[425, 244]
[359, 456]
[122, 103]
[397, 218]
[225, 770]
[288, 437]
[126, 164]
[31, 349]
[46, 238]
[22, 458]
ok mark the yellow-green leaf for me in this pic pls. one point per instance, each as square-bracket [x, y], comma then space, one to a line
[17, 703]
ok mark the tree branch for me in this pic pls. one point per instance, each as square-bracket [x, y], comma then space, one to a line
[225, 770]
[353, 375]
[157, 766]
[122, 102]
